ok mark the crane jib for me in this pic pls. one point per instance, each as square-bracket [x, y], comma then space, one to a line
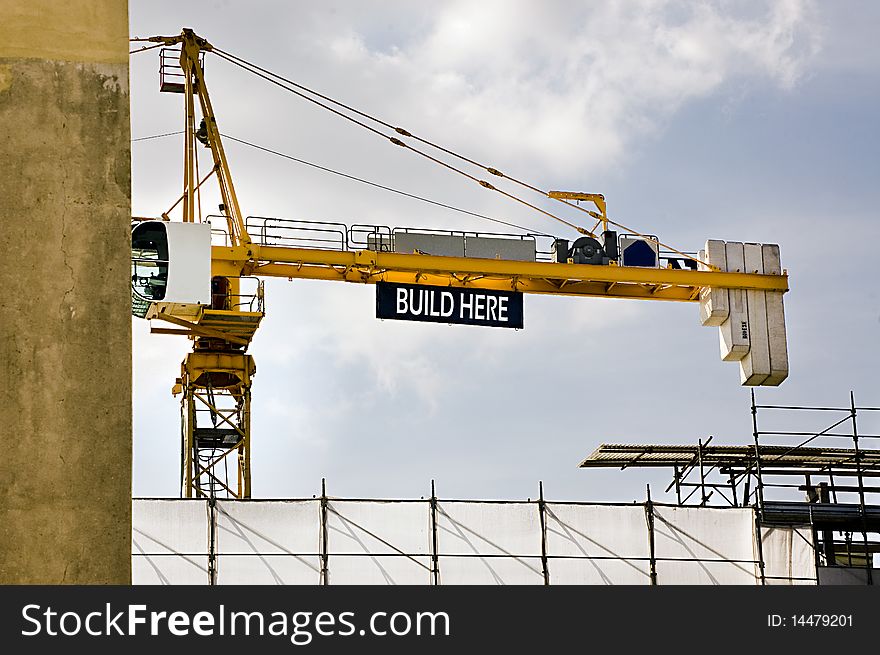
[456, 305]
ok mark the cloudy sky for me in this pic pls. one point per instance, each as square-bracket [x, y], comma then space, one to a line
[746, 121]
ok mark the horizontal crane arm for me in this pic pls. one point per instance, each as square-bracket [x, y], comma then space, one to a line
[368, 267]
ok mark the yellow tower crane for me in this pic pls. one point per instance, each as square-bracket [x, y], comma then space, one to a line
[206, 284]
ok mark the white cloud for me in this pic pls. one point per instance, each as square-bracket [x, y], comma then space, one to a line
[559, 84]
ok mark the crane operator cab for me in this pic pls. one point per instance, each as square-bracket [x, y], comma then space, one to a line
[170, 268]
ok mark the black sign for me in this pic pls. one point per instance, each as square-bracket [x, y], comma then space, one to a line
[416, 302]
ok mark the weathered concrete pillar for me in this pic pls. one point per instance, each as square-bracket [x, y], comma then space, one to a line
[65, 329]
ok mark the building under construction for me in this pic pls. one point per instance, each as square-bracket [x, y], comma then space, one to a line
[756, 514]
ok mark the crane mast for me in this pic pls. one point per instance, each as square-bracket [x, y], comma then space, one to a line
[216, 377]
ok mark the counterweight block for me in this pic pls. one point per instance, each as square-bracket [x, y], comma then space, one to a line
[751, 323]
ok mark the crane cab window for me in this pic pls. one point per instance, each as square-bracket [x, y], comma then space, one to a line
[149, 261]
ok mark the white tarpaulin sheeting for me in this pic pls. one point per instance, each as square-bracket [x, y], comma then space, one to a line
[392, 542]
[269, 569]
[379, 570]
[169, 569]
[355, 527]
[169, 542]
[614, 538]
[788, 555]
[491, 570]
[497, 543]
[268, 526]
[720, 539]
[466, 528]
[575, 571]
[375, 542]
[268, 542]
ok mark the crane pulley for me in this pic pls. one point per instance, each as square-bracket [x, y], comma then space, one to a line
[182, 277]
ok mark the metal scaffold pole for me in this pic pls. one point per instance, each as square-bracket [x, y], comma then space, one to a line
[542, 512]
[323, 554]
[649, 517]
[435, 560]
[869, 573]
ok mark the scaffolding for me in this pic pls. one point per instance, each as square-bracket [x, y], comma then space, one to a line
[737, 519]
[836, 507]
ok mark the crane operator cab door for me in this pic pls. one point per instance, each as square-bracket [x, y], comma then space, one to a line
[170, 268]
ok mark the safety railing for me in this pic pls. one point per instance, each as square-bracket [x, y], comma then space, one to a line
[251, 299]
[171, 76]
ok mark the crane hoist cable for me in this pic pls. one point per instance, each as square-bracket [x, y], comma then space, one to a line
[256, 71]
[359, 179]
[268, 75]
[156, 136]
[145, 48]
[382, 186]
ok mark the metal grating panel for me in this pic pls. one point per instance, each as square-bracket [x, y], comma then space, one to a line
[733, 457]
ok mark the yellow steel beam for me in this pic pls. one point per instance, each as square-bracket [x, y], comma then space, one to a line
[532, 286]
[230, 261]
[191, 46]
[189, 142]
[200, 331]
[218, 481]
[367, 259]
[220, 414]
[217, 460]
[596, 198]
[367, 267]
[185, 333]
[200, 361]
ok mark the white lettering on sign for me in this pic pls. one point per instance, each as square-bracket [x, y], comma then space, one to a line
[467, 301]
[439, 303]
[444, 311]
[412, 304]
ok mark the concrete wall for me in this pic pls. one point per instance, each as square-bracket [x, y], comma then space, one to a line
[65, 329]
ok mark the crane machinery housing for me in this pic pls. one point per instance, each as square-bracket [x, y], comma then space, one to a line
[202, 276]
